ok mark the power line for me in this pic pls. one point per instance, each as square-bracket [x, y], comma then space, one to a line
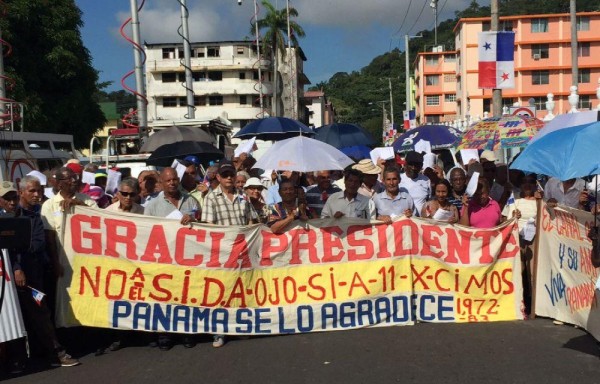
[443, 5]
[418, 17]
[403, 20]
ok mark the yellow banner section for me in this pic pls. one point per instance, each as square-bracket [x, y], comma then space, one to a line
[328, 275]
[567, 286]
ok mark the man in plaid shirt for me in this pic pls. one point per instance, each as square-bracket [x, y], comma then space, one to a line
[224, 205]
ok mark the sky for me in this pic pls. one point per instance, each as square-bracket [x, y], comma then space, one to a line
[341, 35]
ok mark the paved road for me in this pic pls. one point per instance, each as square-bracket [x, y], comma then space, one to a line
[509, 352]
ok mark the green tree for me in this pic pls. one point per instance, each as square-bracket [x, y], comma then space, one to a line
[52, 69]
[275, 23]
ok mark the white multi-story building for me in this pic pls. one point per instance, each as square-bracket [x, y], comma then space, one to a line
[226, 82]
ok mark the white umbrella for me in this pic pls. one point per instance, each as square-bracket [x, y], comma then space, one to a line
[303, 154]
[567, 120]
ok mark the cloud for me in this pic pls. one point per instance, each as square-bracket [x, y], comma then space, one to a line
[356, 15]
[211, 20]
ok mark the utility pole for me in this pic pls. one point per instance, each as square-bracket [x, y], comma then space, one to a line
[496, 93]
[260, 84]
[407, 68]
[187, 50]
[574, 51]
[139, 69]
[434, 4]
[391, 102]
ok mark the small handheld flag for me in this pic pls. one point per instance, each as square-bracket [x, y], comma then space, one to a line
[38, 296]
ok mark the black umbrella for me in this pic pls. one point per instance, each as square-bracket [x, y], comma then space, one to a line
[344, 135]
[175, 134]
[164, 155]
[273, 128]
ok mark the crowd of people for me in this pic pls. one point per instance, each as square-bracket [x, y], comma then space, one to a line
[233, 193]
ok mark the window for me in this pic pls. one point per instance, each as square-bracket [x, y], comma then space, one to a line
[540, 51]
[508, 101]
[168, 53]
[433, 100]
[584, 102]
[506, 25]
[242, 75]
[199, 100]
[215, 100]
[450, 58]
[540, 102]
[215, 75]
[240, 50]
[199, 76]
[169, 77]
[583, 49]
[432, 80]
[243, 100]
[169, 102]
[199, 52]
[431, 60]
[583, 75]
[432, 118]
[449, 78]
[181, 54]
[450, 98]
[183, 101]
[583, 23]
[540, 77]
[255, 75]
[539, 25]
[212, 52]
[486, 26]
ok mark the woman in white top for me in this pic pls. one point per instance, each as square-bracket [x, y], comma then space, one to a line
[440, 208]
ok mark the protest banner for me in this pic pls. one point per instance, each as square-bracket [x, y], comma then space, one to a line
[151, 274]
[11, 322]
[565, 277]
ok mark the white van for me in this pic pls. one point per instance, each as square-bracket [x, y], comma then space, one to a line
[23, 152]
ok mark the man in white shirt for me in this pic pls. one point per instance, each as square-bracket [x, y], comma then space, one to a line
[571, 193]
[417, 184]
[349, 203]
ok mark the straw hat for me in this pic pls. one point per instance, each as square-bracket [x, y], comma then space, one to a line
[367, 167]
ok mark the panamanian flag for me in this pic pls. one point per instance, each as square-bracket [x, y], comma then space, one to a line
[410, 119]
[496, 59]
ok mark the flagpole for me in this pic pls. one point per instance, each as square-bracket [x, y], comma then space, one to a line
[496, 93]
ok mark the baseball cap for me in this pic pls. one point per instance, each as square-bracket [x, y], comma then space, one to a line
[488, 155]
[413, 157]
[6, 187]
[192, 159]
[226, 167]
[75, 167]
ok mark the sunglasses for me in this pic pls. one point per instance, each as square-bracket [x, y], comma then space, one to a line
[127, 194]
[228, 175]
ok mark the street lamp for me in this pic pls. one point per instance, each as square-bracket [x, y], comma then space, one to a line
[407, 55]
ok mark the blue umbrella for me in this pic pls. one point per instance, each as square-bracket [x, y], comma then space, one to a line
[273, 128]
[343, 135]
[565, 153]
[440, 136]
[357, 152]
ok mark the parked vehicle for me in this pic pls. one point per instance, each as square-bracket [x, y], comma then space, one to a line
[22, 152]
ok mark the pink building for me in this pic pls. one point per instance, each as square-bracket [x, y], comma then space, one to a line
[447, 81]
